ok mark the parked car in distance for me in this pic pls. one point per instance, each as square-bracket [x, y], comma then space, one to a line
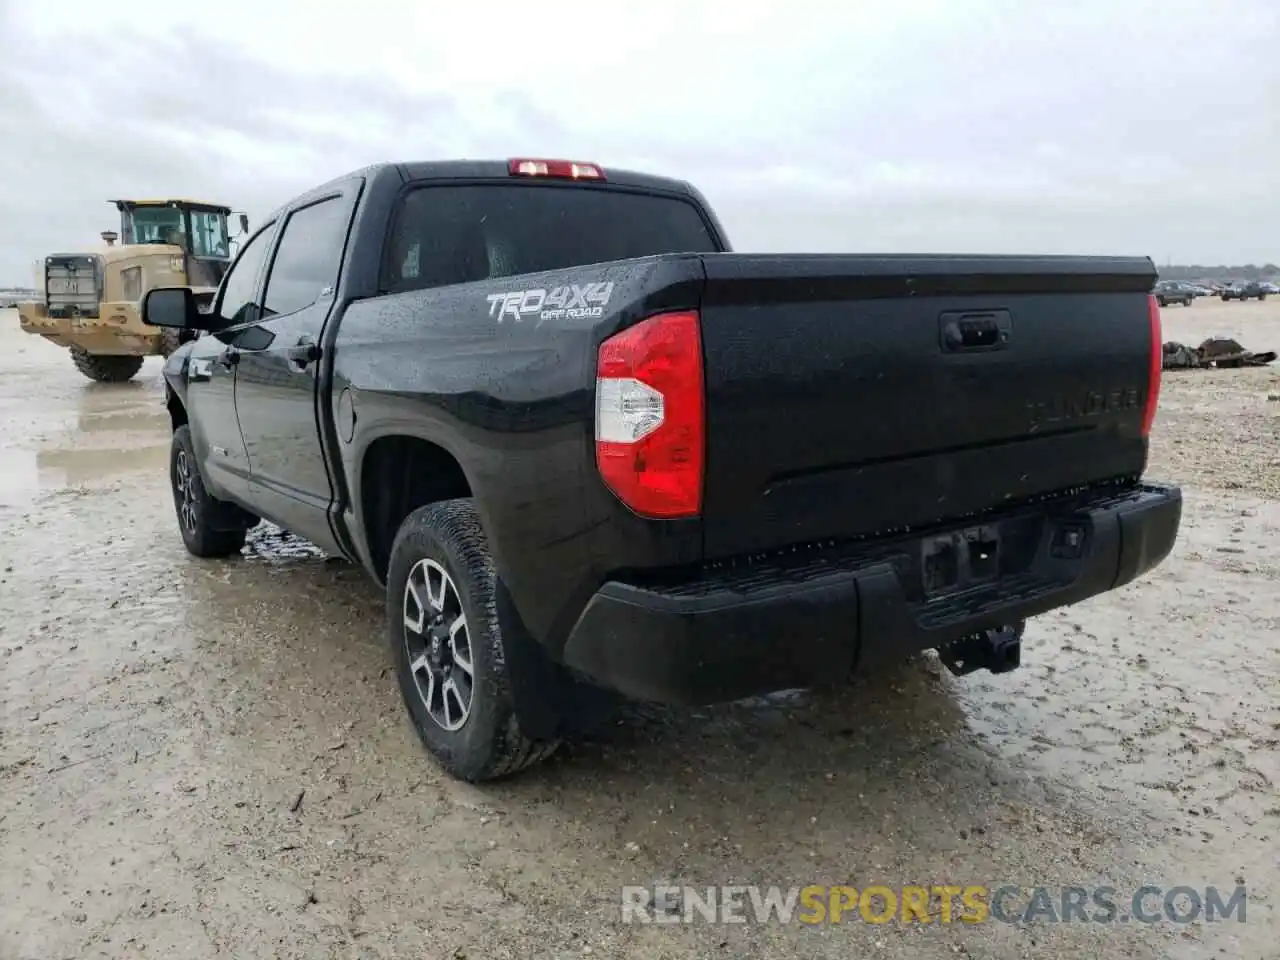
[582, 444]
[1171, 291]
[1244, 290]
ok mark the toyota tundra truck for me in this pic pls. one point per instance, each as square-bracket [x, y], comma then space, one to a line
[585, 446]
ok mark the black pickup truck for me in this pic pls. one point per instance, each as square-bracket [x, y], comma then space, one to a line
[586, 447]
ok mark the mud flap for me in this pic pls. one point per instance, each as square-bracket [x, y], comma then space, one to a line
[546, 698]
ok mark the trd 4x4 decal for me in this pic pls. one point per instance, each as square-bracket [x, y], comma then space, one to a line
[573, 302]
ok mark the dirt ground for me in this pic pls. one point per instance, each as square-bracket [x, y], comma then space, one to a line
[211, 760]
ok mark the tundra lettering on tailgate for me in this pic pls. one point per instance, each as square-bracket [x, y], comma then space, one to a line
[573, 302]
[1083, 406]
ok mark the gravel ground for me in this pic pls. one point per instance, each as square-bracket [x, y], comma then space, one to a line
[210, 759]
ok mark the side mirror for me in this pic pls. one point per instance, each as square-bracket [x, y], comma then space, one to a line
[244, 223]
[173, 307]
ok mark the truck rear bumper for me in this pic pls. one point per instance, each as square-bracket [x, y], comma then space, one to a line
[816, 616]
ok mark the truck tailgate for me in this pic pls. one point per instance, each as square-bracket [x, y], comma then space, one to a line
[855, 395]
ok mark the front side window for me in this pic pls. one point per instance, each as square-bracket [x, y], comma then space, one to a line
[240, 284]
[155, 225]
[309, 257]
[456, 234]
[209, 236]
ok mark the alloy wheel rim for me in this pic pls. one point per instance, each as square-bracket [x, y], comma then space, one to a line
[182, 488]
[438, 644]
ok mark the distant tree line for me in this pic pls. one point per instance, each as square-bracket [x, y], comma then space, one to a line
[1250, 271]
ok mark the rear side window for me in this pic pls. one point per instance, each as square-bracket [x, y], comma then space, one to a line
[443, 234]
[308, 258]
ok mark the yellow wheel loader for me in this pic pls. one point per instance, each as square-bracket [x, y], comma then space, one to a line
[92, 301]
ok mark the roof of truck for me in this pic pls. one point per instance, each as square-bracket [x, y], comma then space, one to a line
[485, 169]
[494, 169]
[463, 170]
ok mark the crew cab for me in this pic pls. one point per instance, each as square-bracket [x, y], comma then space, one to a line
[585, 446]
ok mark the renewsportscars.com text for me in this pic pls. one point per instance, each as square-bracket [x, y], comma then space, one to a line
[940, 903]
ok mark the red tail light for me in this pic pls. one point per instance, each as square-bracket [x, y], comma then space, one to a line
[562, 169]
[1157, 365]
[649, 416]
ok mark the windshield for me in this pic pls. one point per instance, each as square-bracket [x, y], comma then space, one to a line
[456, 234]
[209, 234]
[154, 225]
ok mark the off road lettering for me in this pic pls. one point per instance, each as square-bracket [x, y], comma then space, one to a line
[571, 302]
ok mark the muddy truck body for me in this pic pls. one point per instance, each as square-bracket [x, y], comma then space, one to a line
[585, 446]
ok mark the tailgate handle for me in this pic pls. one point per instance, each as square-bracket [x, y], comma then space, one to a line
[974, 331]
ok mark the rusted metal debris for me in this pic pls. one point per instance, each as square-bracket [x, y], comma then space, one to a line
[1219, 352]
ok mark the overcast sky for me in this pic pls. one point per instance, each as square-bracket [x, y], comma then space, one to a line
[1092, 126]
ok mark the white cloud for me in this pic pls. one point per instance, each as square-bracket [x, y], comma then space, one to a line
[1102, 126]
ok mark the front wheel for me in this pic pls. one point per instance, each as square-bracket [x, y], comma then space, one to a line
[446, 637]
[209, 527]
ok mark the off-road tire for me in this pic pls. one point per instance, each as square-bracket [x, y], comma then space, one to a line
[105, 368]
[489, 744]
[217, 529]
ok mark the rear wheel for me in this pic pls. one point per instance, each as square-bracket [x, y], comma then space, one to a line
[209, 527]
[105, 368]
[446, 637]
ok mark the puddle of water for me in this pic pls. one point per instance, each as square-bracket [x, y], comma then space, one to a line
[59, 469]
[25, 474]
[128, 421]
[19, 477]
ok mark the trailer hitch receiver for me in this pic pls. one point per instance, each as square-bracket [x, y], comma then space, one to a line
[998, 650]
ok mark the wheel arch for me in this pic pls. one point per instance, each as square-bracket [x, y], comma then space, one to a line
[398, 472]
[177, 409]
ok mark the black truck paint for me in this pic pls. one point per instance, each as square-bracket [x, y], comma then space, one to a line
[901, 452]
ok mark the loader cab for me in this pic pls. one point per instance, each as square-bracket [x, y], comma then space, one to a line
[199, 229]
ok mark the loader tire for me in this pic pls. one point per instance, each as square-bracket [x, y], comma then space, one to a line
[105, 368]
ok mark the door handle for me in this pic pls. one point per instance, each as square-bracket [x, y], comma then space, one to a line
[962, 332]
[229, 357]
[304, 353]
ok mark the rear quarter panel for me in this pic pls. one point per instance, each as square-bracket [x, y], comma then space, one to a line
[510, 394]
